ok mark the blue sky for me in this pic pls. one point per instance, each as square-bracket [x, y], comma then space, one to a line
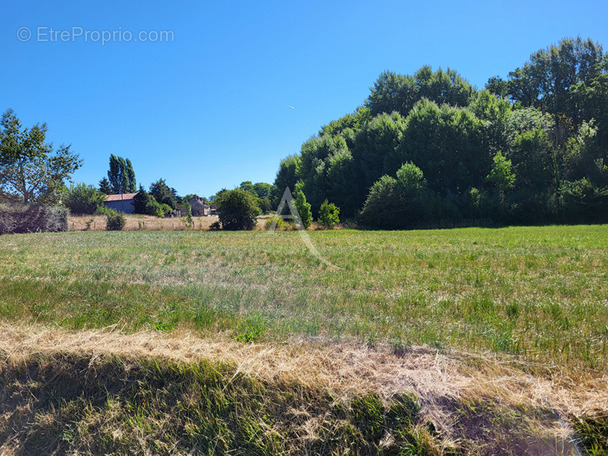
[209, 106]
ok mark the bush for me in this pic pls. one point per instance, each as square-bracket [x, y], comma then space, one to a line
[103, 210]
[281, 224]
[116, 221]
[303, 208]
[83, 199]
[165, 210]
[22, 218]
[329, 214]
[237, 209]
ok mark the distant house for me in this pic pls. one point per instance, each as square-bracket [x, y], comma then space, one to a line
[121, 203]
[199, 207]
[213, 209]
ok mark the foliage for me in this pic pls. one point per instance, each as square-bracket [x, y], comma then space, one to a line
[303, 209]
[520, 143]
[121, 175]
[104, 186]
[163, 194]
[329, 215]
[146, 204]
[397, 203]
[189, 220]
[30, 168]
[287, 176]
[237, 209]
[280, 224]
[22, 218]
[115, 221]
[500, 174]
[83, 199]
[262, 191]
[397, 93]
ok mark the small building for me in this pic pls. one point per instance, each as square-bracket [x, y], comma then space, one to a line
[213, 209]
[122, 202]
[179, 211]
[199, 207]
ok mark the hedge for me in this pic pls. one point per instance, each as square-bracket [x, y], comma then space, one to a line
[21, 218]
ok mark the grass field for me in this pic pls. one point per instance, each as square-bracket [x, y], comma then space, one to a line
[533, 296]
[540, 293]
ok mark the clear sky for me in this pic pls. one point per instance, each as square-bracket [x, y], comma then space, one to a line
[232, 87]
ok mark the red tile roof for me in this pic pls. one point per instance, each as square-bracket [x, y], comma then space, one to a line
[121, 197]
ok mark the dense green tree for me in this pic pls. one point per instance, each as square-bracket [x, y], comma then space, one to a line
[287, 176]
[348, 123]
[375, 148]
[146, 204]
[30, 169]
[550, 78]
[121, 175]
[247, 186]
[105, 187]
[315, 161]
[162, 193]
[385, 206]
[397, 93]
[83, 199]
[448, 145]
[397, 203]
[393, 92]
[132, 184]
[237, 209]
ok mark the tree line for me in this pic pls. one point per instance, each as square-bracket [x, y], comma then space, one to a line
[429, 149]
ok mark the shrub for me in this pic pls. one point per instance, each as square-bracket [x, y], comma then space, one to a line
[237, 209]
[165, 210]
[22, 218]
[103, 210]
[215, 226]
[329, 214]
[303, 208]
[83, 199]
[188, 218]
[281, 224]
[116, 221]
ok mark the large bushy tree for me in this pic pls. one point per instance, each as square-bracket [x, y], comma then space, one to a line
[83, 199]
[31, 170]
[237, 209]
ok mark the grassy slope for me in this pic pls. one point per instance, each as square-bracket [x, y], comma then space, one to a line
[536, 292]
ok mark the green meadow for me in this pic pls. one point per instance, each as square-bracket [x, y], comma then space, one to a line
[538, 293]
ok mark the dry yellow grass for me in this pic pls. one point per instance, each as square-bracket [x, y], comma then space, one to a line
[139, 222]
[443, 381]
